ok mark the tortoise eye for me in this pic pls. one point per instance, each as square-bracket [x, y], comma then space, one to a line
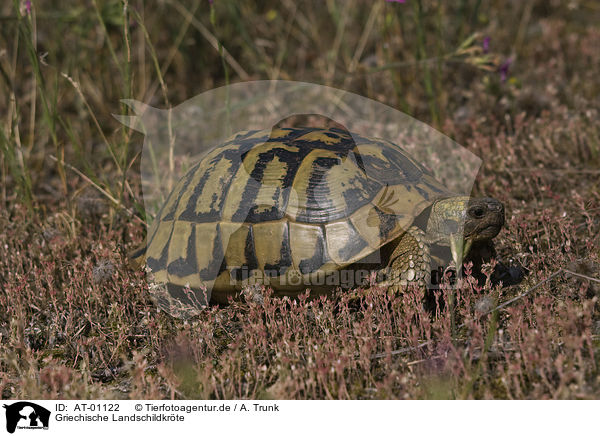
[477, 212]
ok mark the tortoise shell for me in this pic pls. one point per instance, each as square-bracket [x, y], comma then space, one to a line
[284, 206]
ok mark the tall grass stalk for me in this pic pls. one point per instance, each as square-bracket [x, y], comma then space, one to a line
[12, 157]
[489, 340]
[128, 89]
[213, 22]
[25, 25]
[163, 87]
[422, 54]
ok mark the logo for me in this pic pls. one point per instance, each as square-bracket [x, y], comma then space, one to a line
[26, 415]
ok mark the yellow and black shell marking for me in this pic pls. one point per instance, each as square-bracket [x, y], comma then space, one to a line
[285, 205]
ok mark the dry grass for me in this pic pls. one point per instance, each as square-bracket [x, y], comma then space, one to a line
[76, 322]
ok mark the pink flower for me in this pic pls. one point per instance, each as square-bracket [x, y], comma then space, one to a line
[503, 69]
[486, 44]
[25, 7]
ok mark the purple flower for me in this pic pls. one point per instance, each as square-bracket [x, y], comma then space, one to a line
[503, 69]
[486, 44]
[28, 6]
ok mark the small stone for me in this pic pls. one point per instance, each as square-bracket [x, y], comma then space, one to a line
[254, 293]
[103, 271]
[596, 328]
[90, 204]
[51, 234]
[485, 304]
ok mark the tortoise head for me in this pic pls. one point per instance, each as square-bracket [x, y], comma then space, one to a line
[460, 221]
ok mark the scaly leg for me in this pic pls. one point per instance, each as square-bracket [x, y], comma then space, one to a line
[410, 262]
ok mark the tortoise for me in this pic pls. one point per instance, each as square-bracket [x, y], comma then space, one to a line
[293, 207]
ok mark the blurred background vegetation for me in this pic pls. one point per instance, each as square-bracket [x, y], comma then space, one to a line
[65, 66]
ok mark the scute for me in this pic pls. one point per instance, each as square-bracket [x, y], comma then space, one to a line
[283, 202]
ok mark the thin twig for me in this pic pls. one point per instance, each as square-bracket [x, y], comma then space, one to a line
[416, 362]
[211, 39]
[99, 188]
[547, 279]
[593, 279]
[524, 294]
[406, 350]
[554, 170]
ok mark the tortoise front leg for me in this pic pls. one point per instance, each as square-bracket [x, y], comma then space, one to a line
[410, 262]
